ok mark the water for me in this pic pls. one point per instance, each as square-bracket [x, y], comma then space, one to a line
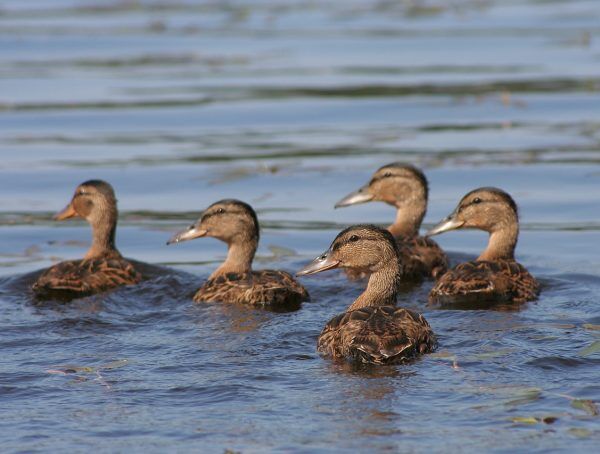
[289, 105]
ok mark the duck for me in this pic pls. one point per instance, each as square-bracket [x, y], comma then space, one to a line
[102, 268]
[373, 329]
[495, 276]
[405, 187]
[234, 281]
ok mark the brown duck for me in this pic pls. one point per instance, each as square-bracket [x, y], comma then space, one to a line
[495, 276]
[372, 330]
[103, 267]
[404, 187]
[236, 224]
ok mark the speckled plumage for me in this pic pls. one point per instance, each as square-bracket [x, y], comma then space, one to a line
[372, 330]
[235, 223]
[77, 278]
[258, 288]
[495, 276]
[103, 268]
[486, 281]
[379, 335]
[421, 257]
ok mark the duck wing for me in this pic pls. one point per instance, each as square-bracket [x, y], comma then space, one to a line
[489, 281]
[76, 278]
[524, 287]
[260, 288]
[378, 335]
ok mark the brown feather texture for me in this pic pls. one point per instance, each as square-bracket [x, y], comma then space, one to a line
[404, 187]
[102, 268]
[378, 335]
[372, 330]
[263, 288]
[421, 257]
[485, 281]
[495, 276]
[235, 223]
[78, 278]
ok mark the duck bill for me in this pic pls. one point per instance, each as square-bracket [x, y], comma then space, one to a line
[66, 213]
[445, 225]
[188, 234]
[321, 263]
[354, 198]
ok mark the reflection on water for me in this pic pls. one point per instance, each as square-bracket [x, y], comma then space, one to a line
[288, 106]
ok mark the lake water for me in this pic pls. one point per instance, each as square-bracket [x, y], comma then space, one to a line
[289, 105]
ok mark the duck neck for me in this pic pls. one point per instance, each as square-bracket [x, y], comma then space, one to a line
[408, 219]
[502, 243]
[239, 258]
[103, 237]
[382, 287]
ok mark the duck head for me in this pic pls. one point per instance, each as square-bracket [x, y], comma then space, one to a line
[95, 201]
[364, 247]
[400, 185]
[360, 247]
[233, 222]
[227, 220]
[486, 209]
[489, 209]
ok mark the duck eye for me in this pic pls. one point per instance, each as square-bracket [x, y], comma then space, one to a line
[387, 174]
[476, 200]
[353, 238]
[220, 211]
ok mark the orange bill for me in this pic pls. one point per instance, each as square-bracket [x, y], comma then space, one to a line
[67, 213]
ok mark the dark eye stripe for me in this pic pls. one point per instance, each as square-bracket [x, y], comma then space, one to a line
[221, 211]
[382, 177]
[338, 245]
[475, 201]
[206, 216]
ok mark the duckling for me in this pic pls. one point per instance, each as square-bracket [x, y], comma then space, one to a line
[103, 267]
[372, 330]
[404, 187]
[495, 276]
[235, 223]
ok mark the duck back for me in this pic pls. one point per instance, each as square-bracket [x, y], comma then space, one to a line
[77, 278]
[259, 288]
[485, 281]
[379, 335]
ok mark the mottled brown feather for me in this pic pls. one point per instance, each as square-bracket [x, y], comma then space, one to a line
[379, 335]
[421, 257]
[489, 281]
[260, 288]
[372, 330]
[77, 278]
